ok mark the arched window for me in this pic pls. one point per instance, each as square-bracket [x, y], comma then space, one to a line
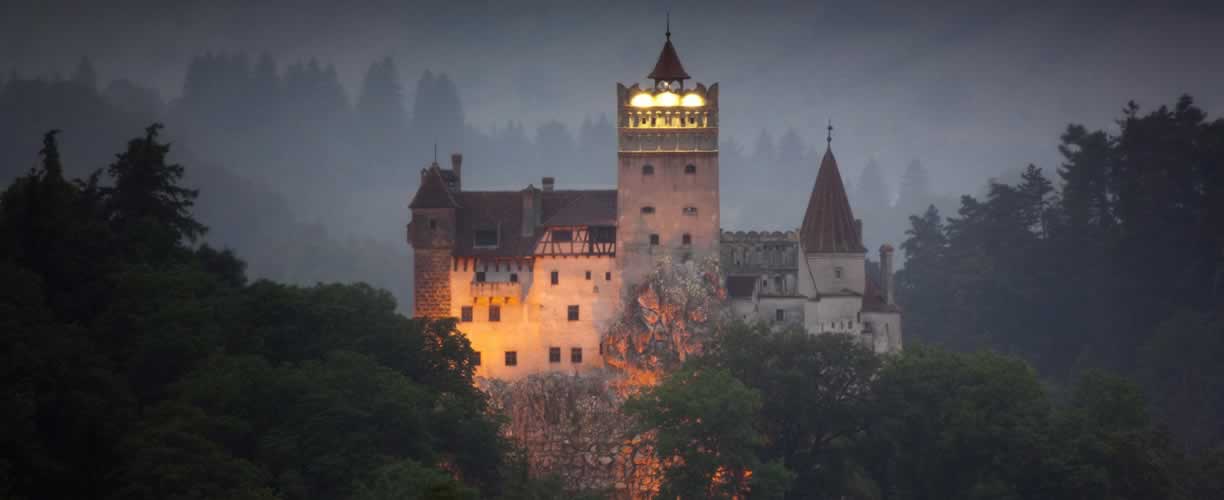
[647, 210]
[690, 169]
[648, 169]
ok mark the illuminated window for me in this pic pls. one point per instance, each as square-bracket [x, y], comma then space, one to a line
[576, 355]
[654, 240]
[690, 169]
[647, 210]
[554, 354]
[494, 313]
[465, 313]
[572, 313]
[687, 239]
[511, 358]
[647, 169]
[690, 211]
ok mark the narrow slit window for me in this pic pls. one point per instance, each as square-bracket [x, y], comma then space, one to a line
[555, 277]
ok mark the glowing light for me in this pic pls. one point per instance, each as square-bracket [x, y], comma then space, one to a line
[692, 101]
[667, 99]
[642, 100]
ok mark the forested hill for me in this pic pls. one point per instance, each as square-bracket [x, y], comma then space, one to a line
[1114, 259]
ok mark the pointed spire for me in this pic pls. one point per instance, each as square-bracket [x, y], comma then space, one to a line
[668, 67]
[829, 139]
[829, 225]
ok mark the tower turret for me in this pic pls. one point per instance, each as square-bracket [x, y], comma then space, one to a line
[667, 168]
[432, 236]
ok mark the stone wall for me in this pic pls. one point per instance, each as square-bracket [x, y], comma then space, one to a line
[431, 290]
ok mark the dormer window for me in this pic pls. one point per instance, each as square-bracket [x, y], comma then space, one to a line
[647, 169]
[690, 210]
[486, 238]
[647, 210]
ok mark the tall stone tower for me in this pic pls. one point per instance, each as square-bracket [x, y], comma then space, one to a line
[667, 168]
[432, 236]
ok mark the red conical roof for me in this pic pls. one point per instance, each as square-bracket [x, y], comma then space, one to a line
[668, 68]
[828, 225]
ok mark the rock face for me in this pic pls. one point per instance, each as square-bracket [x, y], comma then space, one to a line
[572, 427]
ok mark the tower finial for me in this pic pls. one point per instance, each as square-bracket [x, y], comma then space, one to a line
[829, 138]
[668, 24]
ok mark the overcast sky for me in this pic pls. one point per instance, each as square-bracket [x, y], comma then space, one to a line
[970, 88]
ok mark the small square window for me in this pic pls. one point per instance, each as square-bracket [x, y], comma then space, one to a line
[572, 313]
[480, 276]
[494, 313]
[687, 239]
[690, 169]
[647, 210]
[554, 354]
[576, 355]
[588, 275]
[511, 358]
[647, 169]
[779, 315]
[608, 276]
[514, 277]
[654, 240]
[465, 314]
[555, 277]
[690, 211]
[476, 358]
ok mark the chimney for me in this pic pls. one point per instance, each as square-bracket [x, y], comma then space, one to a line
[548, 184]
[457, 166]
[532, 209]
[886, 272]
[858, 231]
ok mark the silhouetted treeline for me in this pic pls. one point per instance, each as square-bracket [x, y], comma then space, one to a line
[1115, 261]
[134, 364]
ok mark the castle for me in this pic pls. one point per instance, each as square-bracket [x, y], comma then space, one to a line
[535, 275]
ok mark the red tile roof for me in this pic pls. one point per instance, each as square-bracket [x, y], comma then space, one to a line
[828, 225]
[668, 67]
[433, 192]
[503, 211]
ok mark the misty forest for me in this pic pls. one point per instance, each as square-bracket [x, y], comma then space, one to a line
[209, 296]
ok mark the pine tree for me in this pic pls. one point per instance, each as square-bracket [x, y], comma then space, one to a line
[146, 204]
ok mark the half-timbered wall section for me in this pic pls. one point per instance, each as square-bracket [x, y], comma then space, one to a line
[578, 241]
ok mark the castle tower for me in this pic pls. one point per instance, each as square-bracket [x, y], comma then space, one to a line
[667, 168]
[831, 239]
[432, 236]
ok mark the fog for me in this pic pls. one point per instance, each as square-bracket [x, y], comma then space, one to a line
[971, 92]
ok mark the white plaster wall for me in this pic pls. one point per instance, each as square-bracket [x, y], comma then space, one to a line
[792, 308]
[539, 321]
[822, 269]
[887, 328]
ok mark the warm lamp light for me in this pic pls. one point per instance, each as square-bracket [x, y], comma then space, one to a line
[692, 101]
[667, 99]
[642, 100]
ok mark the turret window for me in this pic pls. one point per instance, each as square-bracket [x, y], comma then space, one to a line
[690, 169]
[647, 169]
